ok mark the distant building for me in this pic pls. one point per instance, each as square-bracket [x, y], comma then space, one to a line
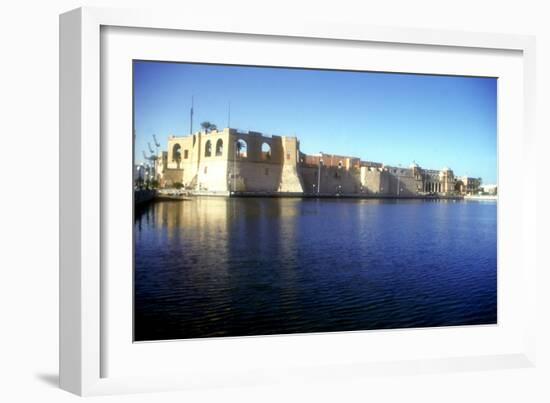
[467, 185]
[489, 189]
[233, 161]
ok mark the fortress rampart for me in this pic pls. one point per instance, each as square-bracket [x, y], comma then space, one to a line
[229, 161]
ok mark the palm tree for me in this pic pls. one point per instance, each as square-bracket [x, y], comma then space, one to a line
[208, 127]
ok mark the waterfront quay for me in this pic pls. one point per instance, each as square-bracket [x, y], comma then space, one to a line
[145, 196]
[344, 196]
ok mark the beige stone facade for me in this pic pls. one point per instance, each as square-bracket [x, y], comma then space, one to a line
[228, 161]
[232, 161]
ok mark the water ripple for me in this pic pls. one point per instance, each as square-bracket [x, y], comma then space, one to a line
[235, 267]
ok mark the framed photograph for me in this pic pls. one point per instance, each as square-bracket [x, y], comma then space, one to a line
[244, 203]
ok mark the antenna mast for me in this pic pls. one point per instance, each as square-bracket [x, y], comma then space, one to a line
[191, 118]
[229, 115]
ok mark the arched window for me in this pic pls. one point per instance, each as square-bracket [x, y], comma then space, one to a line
[208, 149]
[176, 152]
[241, 148]
[219, 147]
[266, 152]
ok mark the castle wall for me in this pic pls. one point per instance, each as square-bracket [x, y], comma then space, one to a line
[171, 177]
[374, 180]
[333, 179]
[403, 182]
[291, 180]
[256, 176]
[263, 164]
[213, 162]
[255, 170]
[186, 157]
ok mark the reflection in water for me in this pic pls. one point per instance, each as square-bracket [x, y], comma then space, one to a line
[231, 267]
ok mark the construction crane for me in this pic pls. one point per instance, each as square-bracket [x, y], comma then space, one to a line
[153, 158]
[157, 144]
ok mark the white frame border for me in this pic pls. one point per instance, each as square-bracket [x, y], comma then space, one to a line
[80, 165]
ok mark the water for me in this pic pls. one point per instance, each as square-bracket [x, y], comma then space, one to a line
[215, 267]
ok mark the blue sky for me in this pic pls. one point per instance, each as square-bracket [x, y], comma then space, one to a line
[436, 121]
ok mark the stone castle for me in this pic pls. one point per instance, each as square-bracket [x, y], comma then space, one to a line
[230, 161]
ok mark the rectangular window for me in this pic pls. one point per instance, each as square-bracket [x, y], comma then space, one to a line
[205, 170]
[186, 154]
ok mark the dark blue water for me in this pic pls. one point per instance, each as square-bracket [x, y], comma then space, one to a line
[215, 267]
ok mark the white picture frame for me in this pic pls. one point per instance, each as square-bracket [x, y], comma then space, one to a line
[83, 294]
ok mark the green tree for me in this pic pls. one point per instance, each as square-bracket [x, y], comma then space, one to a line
[208, 127]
